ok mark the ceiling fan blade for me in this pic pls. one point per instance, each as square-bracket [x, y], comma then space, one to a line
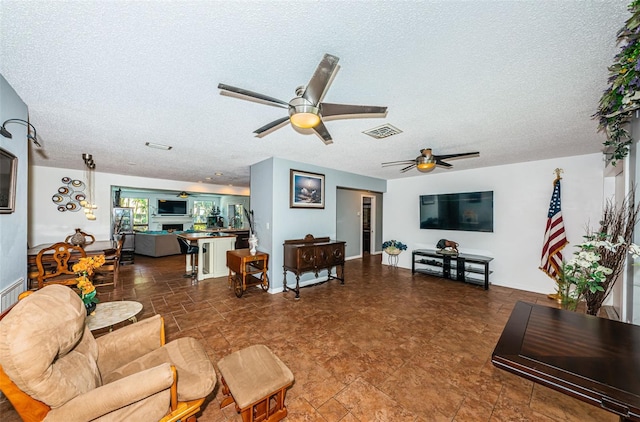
[395, 163]
[271, 125]
[328, 109]
[320, 80]
[406, 169]
[252, 94]
[321, 130]
[464, 154]
[442, 163]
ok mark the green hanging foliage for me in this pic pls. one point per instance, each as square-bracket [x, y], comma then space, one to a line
[622, 97]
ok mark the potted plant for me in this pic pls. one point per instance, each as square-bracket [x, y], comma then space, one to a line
[616, 227]
[393, 248]
[584, 273]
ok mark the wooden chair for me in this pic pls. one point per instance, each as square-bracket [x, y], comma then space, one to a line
[54, 264]
[111, 266]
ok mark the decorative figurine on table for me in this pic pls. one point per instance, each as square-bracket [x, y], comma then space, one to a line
[447, 247]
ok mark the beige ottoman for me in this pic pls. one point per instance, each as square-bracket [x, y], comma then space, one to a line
[257, 381]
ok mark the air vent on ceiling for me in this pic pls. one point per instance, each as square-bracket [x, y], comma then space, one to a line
[383, 131]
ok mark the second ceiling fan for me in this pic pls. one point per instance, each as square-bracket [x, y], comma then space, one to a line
[306, 110]
[427, 161]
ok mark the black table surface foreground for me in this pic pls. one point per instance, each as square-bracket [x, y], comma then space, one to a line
[593, 359]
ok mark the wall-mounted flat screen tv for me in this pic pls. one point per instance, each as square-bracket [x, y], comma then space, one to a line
[172, 207]
[468, 211]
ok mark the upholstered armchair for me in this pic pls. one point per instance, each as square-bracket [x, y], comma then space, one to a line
[53, 369]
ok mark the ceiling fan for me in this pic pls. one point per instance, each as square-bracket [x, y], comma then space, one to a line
[427, 161]
[306, 110]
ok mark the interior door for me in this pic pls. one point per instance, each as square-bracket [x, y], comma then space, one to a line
[367, 224]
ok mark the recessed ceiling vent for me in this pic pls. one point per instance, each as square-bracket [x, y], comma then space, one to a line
[383, 131]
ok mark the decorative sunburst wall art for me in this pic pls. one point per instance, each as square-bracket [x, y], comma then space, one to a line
[69, 195]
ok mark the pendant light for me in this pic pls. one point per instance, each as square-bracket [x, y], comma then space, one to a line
[89, 204]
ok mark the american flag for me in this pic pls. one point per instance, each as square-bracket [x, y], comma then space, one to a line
[554, 236]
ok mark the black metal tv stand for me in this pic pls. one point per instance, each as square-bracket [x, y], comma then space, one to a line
[455, 267]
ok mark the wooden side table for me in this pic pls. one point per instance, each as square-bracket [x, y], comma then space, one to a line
[246, 270]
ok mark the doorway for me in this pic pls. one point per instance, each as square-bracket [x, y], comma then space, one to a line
[366, 224]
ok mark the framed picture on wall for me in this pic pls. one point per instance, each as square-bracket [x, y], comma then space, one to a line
[8, 174]
[306, 189]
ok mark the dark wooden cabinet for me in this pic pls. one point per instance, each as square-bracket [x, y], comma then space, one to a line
[313, 255]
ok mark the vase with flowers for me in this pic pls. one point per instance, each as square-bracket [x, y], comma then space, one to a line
[253, 239]
[85, 268]
[587, 274]
[584, 272]
[393, 248]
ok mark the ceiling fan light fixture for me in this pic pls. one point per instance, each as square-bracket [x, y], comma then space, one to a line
[305, 120]
[302, 114]
[425, 164]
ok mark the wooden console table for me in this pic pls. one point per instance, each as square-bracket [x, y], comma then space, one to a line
[244, 267]
[451, 266]
[589, 358]
[313, 255]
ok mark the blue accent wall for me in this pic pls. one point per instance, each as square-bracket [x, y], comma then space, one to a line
[13, 227]
[270, 200]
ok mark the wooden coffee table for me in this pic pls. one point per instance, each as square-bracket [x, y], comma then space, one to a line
[108, 314]
[595, 360]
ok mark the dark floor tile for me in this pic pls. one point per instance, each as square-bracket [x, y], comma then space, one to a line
[387, 345]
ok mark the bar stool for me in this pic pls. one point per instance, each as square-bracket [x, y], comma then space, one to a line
[186, 248]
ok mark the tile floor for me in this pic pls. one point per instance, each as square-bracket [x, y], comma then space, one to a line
[386, 346]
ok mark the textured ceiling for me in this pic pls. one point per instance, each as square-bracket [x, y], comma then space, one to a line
[517, 81]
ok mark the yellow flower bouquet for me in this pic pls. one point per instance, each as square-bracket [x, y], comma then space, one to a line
[85, 267]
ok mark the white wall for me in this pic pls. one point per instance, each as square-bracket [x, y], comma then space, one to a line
[521, 201]
[13, 227]
[48, 225]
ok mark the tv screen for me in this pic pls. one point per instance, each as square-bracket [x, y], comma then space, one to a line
[172, 207]
[469, 211]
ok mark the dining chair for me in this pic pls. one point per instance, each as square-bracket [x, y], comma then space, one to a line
[111, 266]
[54, 264]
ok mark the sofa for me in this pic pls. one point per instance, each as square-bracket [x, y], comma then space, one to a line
[157, 243]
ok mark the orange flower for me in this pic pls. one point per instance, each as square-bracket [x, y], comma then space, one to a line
[85, 268]
[88, 264]
[85, 285]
